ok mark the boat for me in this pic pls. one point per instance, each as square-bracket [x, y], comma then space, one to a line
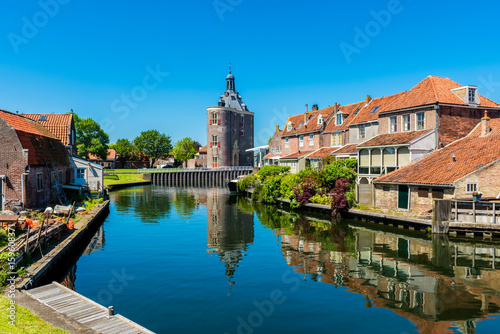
[232, 184]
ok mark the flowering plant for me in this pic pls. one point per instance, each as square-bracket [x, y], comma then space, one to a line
[477, 193]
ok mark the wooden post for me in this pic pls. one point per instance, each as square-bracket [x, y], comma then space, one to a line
[456, 211]
[441, 216]
[27, 240]
[473, 212]
[494, 214]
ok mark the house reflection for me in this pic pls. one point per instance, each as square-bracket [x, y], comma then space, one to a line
[439, 285]
[229, 230]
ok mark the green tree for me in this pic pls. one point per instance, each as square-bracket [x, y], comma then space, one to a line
[90, 138]
[154, 144]
[124, 148]
[184, 150]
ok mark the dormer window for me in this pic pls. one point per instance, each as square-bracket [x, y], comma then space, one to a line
[339, 118]
[289, 126]
[320, 120]
[468, 94]
[472, 95]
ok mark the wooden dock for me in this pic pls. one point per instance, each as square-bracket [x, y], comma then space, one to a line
[84, 310]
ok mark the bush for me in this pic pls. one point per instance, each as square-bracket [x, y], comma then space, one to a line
[339, 169]
[272, 170]
[351, 198]
[271, 189]
[246, 182]
[288, 182]
[320, 199]
[303, 192]
[339, 200]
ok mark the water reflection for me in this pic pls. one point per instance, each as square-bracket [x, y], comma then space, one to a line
[436, 283]
[229, 230]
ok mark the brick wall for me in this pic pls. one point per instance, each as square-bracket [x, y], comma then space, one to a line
[293, 145]
[487, 178]
[430, 120]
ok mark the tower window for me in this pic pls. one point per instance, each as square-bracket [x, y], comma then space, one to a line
[215, 118]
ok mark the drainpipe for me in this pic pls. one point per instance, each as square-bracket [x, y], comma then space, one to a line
[436, 107]
[22, 187]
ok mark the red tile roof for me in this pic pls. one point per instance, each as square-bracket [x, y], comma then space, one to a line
[367, 113]
[350, 110]
[311, 125]
[346, 149]
[471, 153]
[398, 138]
[296, 155]
[203, 149]
[322, 152]
[269, 156]
[57, 124]
[432, 90]
[42, 145]
[112, 155]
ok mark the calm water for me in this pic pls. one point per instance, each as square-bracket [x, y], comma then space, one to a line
[201, 261]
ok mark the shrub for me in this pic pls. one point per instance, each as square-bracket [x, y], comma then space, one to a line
[303, 192]
[320, 199]
[339, 200]
[287, 183]
[271, 189]
[339, 169]
[272, 170]
[246, 182]
[351, 198]
[311, 174]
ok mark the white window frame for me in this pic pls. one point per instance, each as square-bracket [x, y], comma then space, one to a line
[471, 187]
[289, 126]
[393, 129]
[362, 126]
[286, 142]
[215, 140]
[301, 141]
[417, 122]
[337, 122]
[82, 172]
[215, 118]
[311, 140]
[39, 182]
[403, 123]
[471, 94]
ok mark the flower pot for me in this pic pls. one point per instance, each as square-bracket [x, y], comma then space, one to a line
[476, 198]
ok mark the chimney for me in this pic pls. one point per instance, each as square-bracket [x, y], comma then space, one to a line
[307, 107]
[315, 107]
[485, 125]
[336, 107]
[277, 128]
[368, 99]
[306, 116]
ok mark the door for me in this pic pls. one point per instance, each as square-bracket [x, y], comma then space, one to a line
[403, 197]
[365, 192]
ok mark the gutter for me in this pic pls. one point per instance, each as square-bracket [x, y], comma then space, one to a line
[416, 184]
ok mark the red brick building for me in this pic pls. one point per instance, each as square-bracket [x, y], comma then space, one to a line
[25, 149]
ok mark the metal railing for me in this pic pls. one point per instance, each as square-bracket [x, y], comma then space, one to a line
[200, 169]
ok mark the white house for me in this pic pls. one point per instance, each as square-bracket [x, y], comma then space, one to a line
[85, 173]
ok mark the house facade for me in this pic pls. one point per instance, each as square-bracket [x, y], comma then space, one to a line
[469, 164]
[230, 130]
[199, 160]
[31, 160]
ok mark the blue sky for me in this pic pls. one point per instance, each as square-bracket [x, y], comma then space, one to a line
[90, 55]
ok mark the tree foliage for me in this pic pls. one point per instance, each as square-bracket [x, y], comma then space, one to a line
[90, 138]
[184, 149]
[154, 144]
[124, 148]
[272, 170]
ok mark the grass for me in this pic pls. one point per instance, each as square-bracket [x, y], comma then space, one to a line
[120, 170]
[123, 178]
[26, 321]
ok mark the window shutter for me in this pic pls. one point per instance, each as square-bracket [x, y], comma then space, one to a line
[218, 122]
[218, 144]
[210, 144]
[241, 124]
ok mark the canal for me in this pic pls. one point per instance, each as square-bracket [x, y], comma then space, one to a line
[197, 260]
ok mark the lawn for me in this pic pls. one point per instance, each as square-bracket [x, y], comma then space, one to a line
[26, 321]
[120, 170]
[123, 178]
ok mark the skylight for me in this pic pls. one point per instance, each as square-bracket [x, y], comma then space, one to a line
[374, 109]
[357, 110]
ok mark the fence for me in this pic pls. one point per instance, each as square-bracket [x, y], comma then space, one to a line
[475, 212]
[203, 169]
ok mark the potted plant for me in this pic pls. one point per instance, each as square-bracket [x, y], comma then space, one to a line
[476, 195]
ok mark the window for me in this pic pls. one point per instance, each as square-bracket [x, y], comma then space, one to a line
[361, 132]
[80, 173]
[470, 187]
[374, 109]
[339, 118]
[336, 139]
[215, 118]
[286, 143]
[472, 95]
[420, 121]
[242, 132]
[233, 98]
[272, 150]
[289, 126]
[356, 112]
[39, 181]
[406, 123]
[215, 141]
[320, 120]
[214, 161]
[301, 141]
[393, 127]
[438, 193]
[423, 192]
[311, 140]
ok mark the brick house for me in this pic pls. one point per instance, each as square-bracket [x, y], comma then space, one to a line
[454, 171]
[26, 148]
[60, 125]
[336, 133]
[200, 159]
[111, 160]
[275, 148]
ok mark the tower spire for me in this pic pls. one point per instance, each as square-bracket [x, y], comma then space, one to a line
[230, 81]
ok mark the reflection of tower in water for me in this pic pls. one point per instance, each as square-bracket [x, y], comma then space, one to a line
[229, 230]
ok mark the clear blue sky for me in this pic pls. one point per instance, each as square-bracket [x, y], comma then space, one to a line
[86, 55]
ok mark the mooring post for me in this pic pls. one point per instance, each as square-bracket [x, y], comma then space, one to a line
[441, 216]
[111, 311]
[473, 212]
[456, 211]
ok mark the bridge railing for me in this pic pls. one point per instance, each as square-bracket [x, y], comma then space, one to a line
[201, 169]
